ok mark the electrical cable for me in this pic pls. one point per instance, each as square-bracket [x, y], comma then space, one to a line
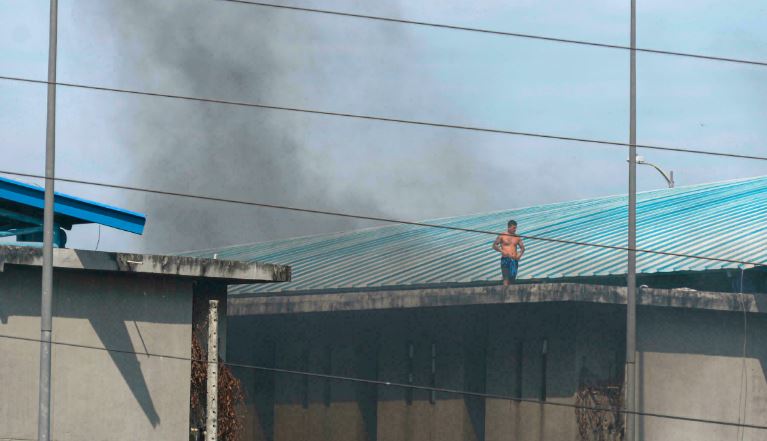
[739, 425]
[500, 33]
[398, 385]
[387, 119]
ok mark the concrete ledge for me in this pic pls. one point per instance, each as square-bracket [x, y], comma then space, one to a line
[226, 270]
[489, 295]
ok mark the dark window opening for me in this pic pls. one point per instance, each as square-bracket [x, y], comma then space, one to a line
[410, 366]
[544, 354]
[328, 370]
[433, 378]
[518, 379]
[305, 378]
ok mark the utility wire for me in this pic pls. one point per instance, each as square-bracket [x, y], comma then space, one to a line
[398, 385]
[501, 33]
[98, 241]
[386, 119]
[423, 123]
[377, 218]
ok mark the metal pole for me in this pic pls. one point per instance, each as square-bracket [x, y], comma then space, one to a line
[211, 426]
[46, 306]
[631, 270]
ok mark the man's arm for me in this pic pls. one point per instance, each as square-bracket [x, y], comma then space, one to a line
[521, 249]
[497, 244]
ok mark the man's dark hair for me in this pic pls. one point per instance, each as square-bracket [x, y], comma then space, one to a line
[512, 222]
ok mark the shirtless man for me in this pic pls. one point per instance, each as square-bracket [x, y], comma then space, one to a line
[511, 248]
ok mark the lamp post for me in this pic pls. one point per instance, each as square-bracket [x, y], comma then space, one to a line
[669, 177]
[631, 262]
[49, 236]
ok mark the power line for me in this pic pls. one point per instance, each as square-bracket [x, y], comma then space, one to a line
[501, 33]
[393, 120]
[398, 385]
[386, 119]
[377, 218]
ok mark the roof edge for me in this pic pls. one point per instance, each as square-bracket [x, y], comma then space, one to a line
[230, 271]
[72, 207]
[493, 295]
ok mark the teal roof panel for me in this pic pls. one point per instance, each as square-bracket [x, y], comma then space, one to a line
[723, 220]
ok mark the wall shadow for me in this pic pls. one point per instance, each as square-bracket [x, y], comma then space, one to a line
[115, 335]
[111, 303]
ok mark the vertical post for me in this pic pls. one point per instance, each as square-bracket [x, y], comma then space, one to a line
[46, 304]
[211, 426]
[631, 267]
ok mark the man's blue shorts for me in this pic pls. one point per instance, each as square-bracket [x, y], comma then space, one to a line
[509, 268]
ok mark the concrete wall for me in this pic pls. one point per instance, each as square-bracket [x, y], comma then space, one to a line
[290, 407]
[690, 364]
[517, 368]
[496, 349]
[459, 352]
[97, 395]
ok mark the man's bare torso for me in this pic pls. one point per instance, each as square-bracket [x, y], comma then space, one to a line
[509, 245]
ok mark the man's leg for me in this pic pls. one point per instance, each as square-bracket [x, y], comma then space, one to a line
[513, 268]
[505, 272]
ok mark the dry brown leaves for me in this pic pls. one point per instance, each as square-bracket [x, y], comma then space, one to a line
[599, 425]
[230, 394]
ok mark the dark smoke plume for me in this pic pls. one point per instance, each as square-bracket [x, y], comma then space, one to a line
[208, 49]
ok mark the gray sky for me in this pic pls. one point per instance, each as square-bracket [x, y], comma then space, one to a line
[222, 50]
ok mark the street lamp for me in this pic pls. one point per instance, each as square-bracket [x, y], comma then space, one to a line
[669, 177]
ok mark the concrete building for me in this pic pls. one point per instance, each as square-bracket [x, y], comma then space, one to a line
[124, 302]
[114, 313]
[424, 306]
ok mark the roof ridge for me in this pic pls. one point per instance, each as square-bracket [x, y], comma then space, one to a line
[467, 216]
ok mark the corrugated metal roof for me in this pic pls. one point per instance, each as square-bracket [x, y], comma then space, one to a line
[723, 220]
[28, 201]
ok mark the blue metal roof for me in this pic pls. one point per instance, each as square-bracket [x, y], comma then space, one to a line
[21, 210]
[723, 220]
